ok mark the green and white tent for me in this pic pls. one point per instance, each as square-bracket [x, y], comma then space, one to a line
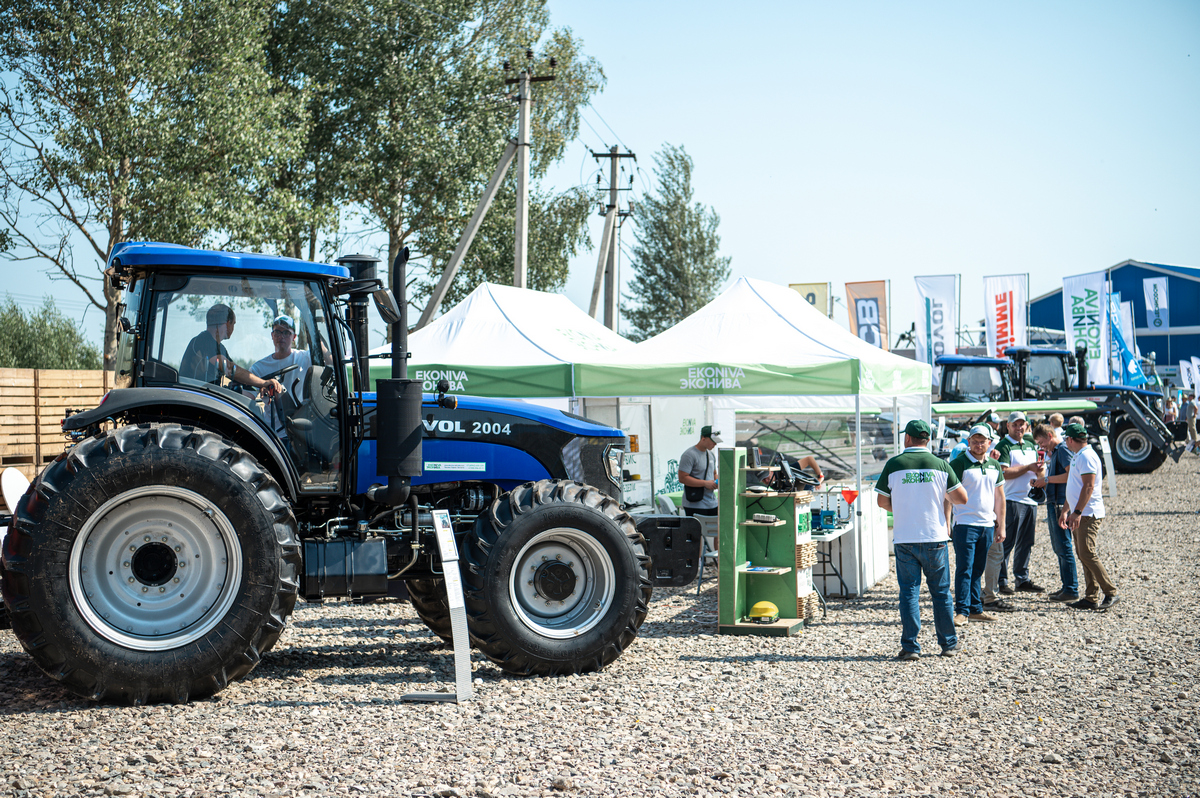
[755, 339]
[506, 342]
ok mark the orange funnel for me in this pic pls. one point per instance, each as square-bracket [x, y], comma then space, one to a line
[849, 495]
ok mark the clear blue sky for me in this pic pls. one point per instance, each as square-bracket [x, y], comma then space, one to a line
[863, 140]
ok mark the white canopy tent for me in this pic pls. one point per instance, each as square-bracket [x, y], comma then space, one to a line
[506, 342]
[761, 345]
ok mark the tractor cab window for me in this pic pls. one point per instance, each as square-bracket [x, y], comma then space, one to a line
[1046, 374]
[127, 332]
[974, 384]
[237, 337]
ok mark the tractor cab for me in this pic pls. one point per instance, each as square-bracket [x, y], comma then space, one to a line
[975, 379]
[1042, 372]
[221, 329]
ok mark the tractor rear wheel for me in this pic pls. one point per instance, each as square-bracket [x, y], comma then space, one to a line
[1132, 451]
[428, 597]
[556, 579]
[151, 563]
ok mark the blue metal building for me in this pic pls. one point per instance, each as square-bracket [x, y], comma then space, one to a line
[1180, 341]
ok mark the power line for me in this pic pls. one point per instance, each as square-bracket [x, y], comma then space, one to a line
[597, 113]
[589, 124]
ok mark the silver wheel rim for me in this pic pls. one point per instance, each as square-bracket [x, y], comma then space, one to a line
[575, 560]
[1133, 446]
[155, 568]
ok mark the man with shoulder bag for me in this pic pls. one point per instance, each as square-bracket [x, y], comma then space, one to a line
[698, 473]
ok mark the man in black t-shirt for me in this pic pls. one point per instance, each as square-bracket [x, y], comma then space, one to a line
[206, 359]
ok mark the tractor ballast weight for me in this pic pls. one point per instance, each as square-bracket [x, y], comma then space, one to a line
[160, 556]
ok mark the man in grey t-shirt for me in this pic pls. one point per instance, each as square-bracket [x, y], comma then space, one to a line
[698, 471]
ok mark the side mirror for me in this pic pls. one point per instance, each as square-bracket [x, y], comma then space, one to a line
[385, 303]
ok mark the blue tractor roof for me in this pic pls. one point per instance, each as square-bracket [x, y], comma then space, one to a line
[153, 253]
[1040, 350]
[971, 360]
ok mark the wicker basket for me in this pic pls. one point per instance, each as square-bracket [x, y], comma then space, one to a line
[806, 555]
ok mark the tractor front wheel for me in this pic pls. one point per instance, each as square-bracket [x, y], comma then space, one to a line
[556, 579]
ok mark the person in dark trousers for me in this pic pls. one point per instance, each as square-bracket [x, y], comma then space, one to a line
[975, 523]
[698, 473]
[915, 485]
[1058, 463]
[1018, 454]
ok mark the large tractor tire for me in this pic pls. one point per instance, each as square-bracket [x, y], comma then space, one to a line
[151, 563]
[1132, 451]
[428, 597]
[556, 579]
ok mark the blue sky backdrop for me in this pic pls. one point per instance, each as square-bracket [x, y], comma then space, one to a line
[882, 140]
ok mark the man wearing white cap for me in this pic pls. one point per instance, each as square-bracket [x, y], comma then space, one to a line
[975, 522]
[283, 337]
[1018, 454]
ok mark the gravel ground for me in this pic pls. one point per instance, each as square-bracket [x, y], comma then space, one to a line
[1047, 702]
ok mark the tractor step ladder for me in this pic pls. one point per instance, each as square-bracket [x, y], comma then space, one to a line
[452, 578]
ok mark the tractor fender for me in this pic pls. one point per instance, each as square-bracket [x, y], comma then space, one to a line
[197, 409]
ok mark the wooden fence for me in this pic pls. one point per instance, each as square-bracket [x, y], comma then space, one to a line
[32, 405]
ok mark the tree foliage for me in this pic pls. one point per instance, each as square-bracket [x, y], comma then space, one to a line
[43, 339]
[136, 120]
[676, 268]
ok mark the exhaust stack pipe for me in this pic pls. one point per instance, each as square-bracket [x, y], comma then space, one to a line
[398, 410]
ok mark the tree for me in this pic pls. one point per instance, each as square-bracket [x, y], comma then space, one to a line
[135, 120]
[43, 339]
[410, 114]
[676, 268]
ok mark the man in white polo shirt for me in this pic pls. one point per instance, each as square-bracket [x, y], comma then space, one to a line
[975, 522]
[915, 485]
[1018, 454]
[1083, 514]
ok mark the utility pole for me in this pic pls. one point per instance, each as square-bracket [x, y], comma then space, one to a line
[524, 101]
[606, 264]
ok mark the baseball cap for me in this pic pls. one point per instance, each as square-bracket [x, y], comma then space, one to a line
[707, 432]
[286, 320]
[1075, 431]
[980, 429]
[992, 417]
[1016, 415]
[917, 428]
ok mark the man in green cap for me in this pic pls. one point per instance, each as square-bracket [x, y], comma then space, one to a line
[915, 485]
[1083, 514]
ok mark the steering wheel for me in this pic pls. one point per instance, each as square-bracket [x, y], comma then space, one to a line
[281, 371]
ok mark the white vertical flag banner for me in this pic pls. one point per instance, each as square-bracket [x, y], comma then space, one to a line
[1004, 308]
[1127, 328]
[1085, 315]
[1185, 374]
[1157, 317]
[1195, 373]
[937, 318]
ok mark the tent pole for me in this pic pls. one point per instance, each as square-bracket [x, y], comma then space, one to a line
[858, 466]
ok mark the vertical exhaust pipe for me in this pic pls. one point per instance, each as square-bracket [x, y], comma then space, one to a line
[398, 411]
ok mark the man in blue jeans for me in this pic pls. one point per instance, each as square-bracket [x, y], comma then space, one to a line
[915, 485]
[975, 522]
[1058, 464]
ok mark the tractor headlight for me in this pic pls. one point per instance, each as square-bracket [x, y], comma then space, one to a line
[614, 462]
[1104, 422]
[1158, 406]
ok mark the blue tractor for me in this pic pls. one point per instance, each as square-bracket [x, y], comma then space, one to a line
[242, 463]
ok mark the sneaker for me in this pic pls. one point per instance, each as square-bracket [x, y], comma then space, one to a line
[1006, 590]
[982, 617]
[908, 656]
[1030, 587]
[1063, 595]
[952, 650]
[1109, 601]
[1084, 604]
[961, 620]
[999, 606]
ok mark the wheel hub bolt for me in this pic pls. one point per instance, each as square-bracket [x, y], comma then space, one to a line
[164, 538]
[147, 538]
[131, 580]
[175, 580]
[125, 564]
[163, 589]
[145, 590]
[178, 548]
[133, 548]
